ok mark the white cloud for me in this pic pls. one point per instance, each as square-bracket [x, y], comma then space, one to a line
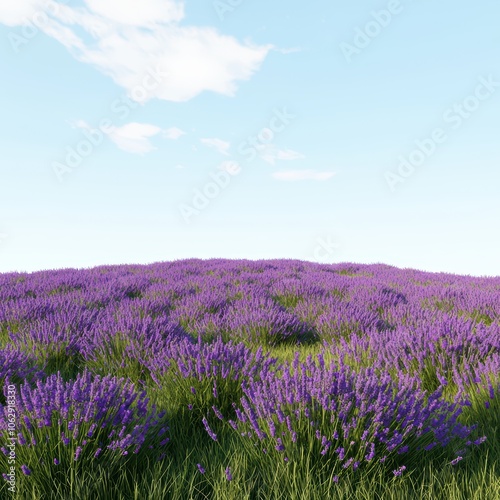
[173, 133]
[20, 12]
[134, 137]
[142, 47]
[303, 175]
[218, 144]
[144, 13]
[270, 153]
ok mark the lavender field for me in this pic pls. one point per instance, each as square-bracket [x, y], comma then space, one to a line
[249, 379]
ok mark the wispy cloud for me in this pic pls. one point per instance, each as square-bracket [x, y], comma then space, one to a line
[173, 133]
[290, 50]
[135, 42]
[303, 175]
[218, 144]
[270, 153]
[134, 137]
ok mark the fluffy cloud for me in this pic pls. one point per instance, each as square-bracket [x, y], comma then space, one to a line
[218, 144]
[302, 175]
[20, 12]
[141, 45]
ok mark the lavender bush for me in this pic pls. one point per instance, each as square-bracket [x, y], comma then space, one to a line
[330, 375]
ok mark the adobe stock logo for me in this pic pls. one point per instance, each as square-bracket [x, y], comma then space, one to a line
[222, 7]
[325, 249]
[94, 137]
[220, 180]
[249, 149]
[455, 117]
[253, 145]
[39, 21]
[364, 36]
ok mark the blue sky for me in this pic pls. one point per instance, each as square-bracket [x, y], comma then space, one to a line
[137, 132]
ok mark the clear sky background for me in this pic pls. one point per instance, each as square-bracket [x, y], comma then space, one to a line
[304, 113]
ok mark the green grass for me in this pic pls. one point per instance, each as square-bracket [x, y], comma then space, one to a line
[255, 475]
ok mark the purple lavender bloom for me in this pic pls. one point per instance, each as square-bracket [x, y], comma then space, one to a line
[456, 460]
[279, 446]
[391, 324]
[25, 470]
[399, 471]
[210, 432]
[200, 468]
[112, 404]
[479, 441]
[229, 476]
[218, 414]
[56, 461]
[78, 452]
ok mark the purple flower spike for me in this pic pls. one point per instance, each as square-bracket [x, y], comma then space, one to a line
[200, 468]
[399, 471]
[210, 432]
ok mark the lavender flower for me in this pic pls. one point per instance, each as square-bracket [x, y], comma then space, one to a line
[78, 452]
[210, 432]
[399, 470]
